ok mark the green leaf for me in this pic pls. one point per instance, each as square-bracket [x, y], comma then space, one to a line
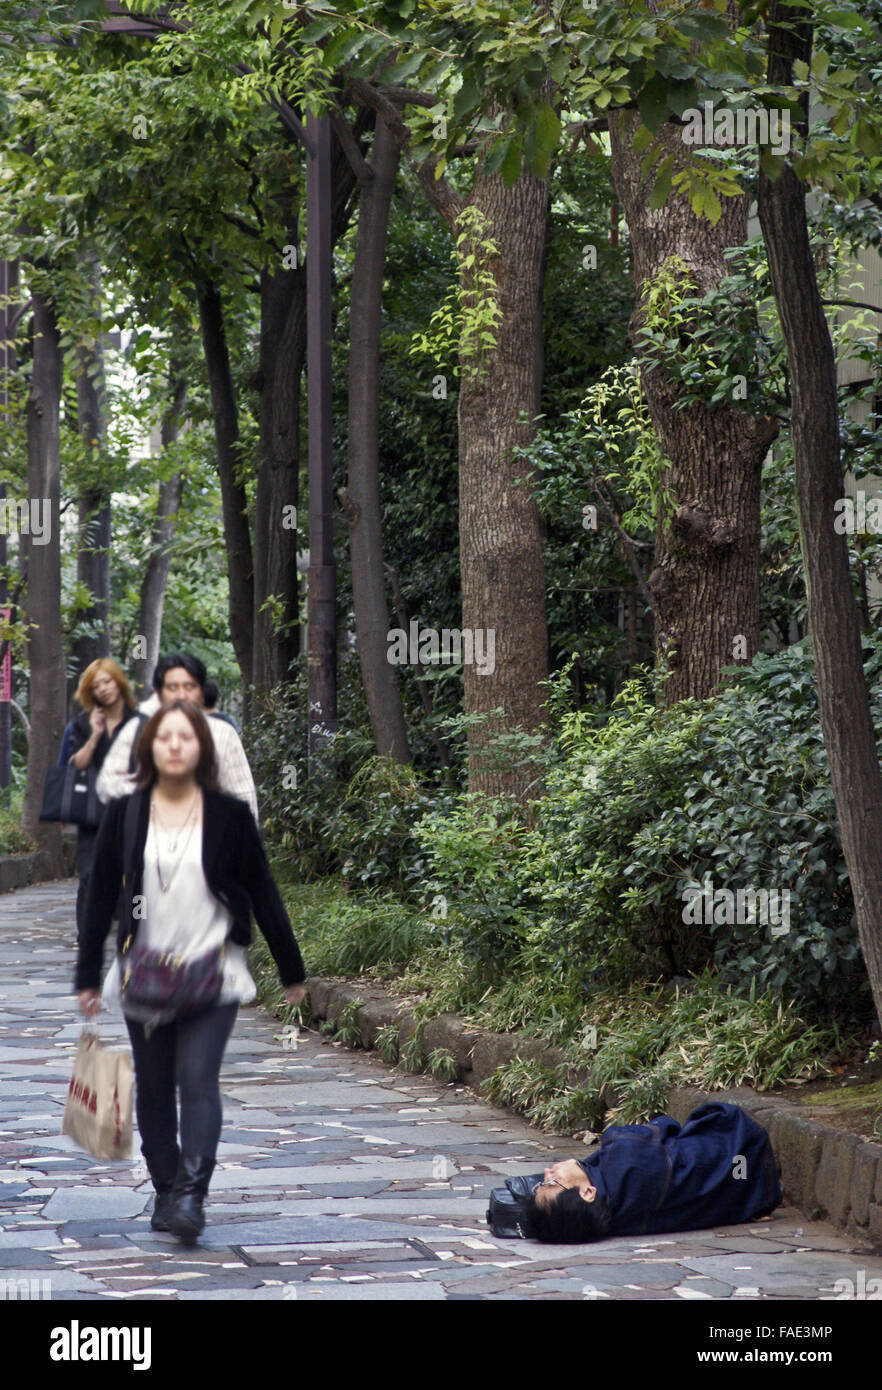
[704, 202]
[511, 165]
[342, 46]
[404, 68]
[682, 97]
[547, 129]
[652, 103]
[706, 28]
[468, 97]
[318, 29]
[867, 139]
[492, 161]
[662, 189]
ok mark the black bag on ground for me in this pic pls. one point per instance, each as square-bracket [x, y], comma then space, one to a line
[507, 1214]
[70, 795]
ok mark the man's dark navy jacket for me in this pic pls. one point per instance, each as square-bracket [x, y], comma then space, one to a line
[718, 1169]
[235, 868]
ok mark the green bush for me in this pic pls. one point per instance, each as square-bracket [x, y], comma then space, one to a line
[357, 818]
[473, 856]
[13, 839]
[638, 812]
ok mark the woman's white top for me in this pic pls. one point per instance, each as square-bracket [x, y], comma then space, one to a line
[187, 919]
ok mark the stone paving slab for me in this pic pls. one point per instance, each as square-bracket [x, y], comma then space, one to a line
[338, 1179]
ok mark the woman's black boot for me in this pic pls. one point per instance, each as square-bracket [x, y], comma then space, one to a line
[162, 1209]
[191, 1184]
[162, 1167]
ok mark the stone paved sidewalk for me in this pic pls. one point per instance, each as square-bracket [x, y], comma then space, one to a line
[337, 1178]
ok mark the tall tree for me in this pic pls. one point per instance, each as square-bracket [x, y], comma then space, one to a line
[279, 380]
[501, 567]
[705, 581]
[225, 411]
[161, 536]
[834, 619]
[93, 503]
[362, 494]
[43, 608]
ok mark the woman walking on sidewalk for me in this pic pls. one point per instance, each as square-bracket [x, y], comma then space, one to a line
[192, 868]
[108, 704]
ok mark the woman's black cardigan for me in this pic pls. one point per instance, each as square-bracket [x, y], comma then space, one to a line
[235, 868]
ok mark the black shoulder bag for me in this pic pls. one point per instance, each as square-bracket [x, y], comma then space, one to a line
[70, 795]
[508, 1212]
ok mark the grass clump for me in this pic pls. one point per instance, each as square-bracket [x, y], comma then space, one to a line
[635, 1048]
[343, 934]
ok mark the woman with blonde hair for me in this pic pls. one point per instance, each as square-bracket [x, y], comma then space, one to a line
[108, 703]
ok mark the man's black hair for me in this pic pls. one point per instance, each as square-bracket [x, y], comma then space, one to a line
[210, 694]
[568, 1219]
[192, 664]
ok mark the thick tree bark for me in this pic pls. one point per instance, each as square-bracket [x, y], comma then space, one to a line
[362, 501]
[834, 620]
[502, 571]
[705, 581]
[161, 536]
[233, 498]
[93, 504]
[45, 649]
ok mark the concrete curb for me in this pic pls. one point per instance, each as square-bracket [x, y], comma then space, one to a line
[21, 870]
[826, 1173]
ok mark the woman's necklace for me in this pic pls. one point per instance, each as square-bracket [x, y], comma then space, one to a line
[165, 884]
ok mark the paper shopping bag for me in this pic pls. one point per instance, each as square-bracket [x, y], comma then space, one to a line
[98, 1113]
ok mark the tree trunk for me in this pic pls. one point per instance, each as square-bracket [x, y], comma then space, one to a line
[834, 621]
[500, 531]
[705, 582]
[45, 649]
[362, 501]
[233, 496]
[282, 355]
[283, 325]
[161, 536]
[93, 504]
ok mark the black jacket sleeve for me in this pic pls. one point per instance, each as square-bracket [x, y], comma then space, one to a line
[269, 910]
[105, 882]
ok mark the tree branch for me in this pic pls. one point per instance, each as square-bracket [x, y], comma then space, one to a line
[348, 143]
[855, 304]
[625, 539]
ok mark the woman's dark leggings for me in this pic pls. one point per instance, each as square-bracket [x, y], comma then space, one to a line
[186, 1054]
[86, 839]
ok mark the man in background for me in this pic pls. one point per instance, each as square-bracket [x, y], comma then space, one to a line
[181, 676]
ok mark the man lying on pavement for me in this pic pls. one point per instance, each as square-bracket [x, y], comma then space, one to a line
[718, 1169]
